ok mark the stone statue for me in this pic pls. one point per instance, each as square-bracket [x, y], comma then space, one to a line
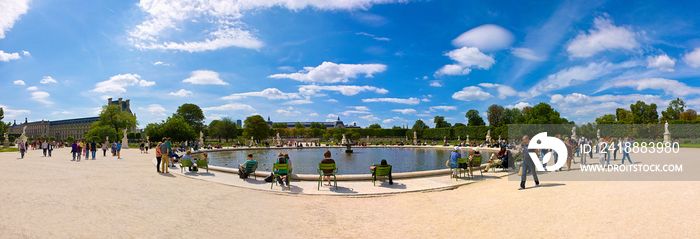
[667, 134]
[573, 132]
[24, 132]
[344, 141]
[467, 138]
[488, 134]
[499, 138]
[201, 135]
[415, 135]
[124, 133]
[666, 127]
[125, 141]
[598, 133]
[5, 136]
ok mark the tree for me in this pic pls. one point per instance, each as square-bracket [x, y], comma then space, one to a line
[623, 115]
[279, 126]
[606, 119]
[176, 128]
[643, 113]
[52, 138]
[689, 114]
[70, 139]
[459, 125]
[230, 130]
[256, 127]
[396, 127]
[374, 126]
[113, 116]
[541, 113]
[474, 119]
[420, 125]
[510, 116]
[193, 115]
[101, 132]
[440, 122]
[153, 130]
[215, 129]
[3, 127]
[316, 125]
[674, 110]
[298, 125]
[494, 114]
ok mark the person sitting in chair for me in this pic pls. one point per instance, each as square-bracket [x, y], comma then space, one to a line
[383, 163]
[327, 173]
[501, 158]
[248, 163]
[281, 159]
[188, 156]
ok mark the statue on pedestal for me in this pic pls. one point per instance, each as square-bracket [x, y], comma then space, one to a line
[488, 136]
[666, 128]
[598, 133]
[667, 134]
[125, 141]
[344, 141]
[573, 132]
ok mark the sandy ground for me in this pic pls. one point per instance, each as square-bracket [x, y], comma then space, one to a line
[125, 198]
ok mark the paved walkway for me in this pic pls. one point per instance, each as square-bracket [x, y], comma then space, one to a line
[345, 188]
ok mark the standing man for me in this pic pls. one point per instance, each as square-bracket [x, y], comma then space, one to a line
[50, 148]
[164, 152]
[93, 149]
[45, 147]
[119, 150]
[528, 165]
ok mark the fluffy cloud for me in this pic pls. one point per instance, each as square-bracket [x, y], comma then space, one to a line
[231, 106]
[465, 57]
[357, 110]
[116, 84]
[661, 62]
[47, 80]
[205, 77]
[504, 90]
[442, 107]
[527, 54]
[19, 82]
[157, 63]
[156, 109]
[41, 97]
[10, 11]
[222, 19]
[576, 75]
[216, 116]
[693, 58]
[10, 113]
[181, 93]
[62, 112]
[288, 112]
[285, 68]
[299, 102]
[33, 88]
[603, 37]
[405, 111]
[26, 53]
[313, 115]
[520, 105]
[332, 100]
[583, 105]
[671, 87]
[332, 116]
[329, 72]
[388, 121]
[373, 36]
[8, 56]
[343, 89]
[470, 93]
[487, 38]
[410, 101]
[269, 93]
[370, 118]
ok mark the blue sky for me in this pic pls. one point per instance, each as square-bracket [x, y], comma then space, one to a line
[369, 61]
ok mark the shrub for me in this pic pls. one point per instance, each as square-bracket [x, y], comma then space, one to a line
[686, 141]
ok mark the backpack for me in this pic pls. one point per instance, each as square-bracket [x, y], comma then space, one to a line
[270, 177]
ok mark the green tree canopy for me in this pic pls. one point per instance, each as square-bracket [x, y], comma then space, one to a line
[101, 132]
[474, 119]
[298, 125]
[623, 115]
[541, 113]
[256, 127]
[689, 114]
[113, 116]
[643, 113]
[193, 115]
[459, 125]
[606, 119]
[510, 116]
[230, 130]
[495, 115]
[440, 122]
[420, 125]
[3, 127]
[674, 110]
[396, 127]
[178, 129]
[374, 126]
[279, 126]
[316, 125]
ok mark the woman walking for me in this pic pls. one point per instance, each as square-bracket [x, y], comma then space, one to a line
[141, 146]
[104, 149]
[159, 157]
[23, 148]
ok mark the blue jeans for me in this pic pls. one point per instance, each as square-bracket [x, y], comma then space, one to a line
[626, 155]
[73, 155]
[93, 154]
[50, 152]
[608, 157]
[44, 152]
[542, 156]
[21, 151]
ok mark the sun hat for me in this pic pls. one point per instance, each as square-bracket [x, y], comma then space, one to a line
[457, 148]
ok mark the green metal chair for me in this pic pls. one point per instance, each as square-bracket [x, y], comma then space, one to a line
[458, 169]
[326, 166]
[381, 171]
[202, 163]
[185, 163]
[276, 167]
[476, 162]
[250, 169]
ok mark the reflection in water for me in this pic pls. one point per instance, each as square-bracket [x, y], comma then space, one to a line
[305, 161]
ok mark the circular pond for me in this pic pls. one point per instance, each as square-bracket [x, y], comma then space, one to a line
[305, 161]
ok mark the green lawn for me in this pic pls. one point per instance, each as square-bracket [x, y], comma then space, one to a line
[690, 145]
[10, 149]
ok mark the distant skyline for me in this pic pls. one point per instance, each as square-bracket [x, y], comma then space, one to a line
[367, 61]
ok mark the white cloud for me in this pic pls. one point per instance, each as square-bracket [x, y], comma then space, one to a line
[33, 88]
[471, 93]
[520, 105]
[10, 113]
[373, 36]
[181, 93]
[160, 63]
[503, 90]
[41, 97]
[576, 75]
[693, 102]
[388, 121]
[205, 77]
[362, 108]
[8, 56]
[10, 11]
[410, 101]
[671, 87]
[442, 107]
[693, 58]
[285, 68]
[299, 102]
[19, 82]
[332, 116]
[329, 72]
[269, 93]
[116, 84]
[231, 106]
[343, 89]
[465, 57]
[216, 116]
[156, 109]
[603, 36]
[313, 115]
[332, 100]
[26, 53]
[487, 38]
[288, 112]
[47, 80]
[370, 118]
[527, 54]
[62, 112]
[583, 105]
[405, 111]
[661, 62]
[425, 77]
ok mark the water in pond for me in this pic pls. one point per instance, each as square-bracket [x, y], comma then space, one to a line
[305, 161]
